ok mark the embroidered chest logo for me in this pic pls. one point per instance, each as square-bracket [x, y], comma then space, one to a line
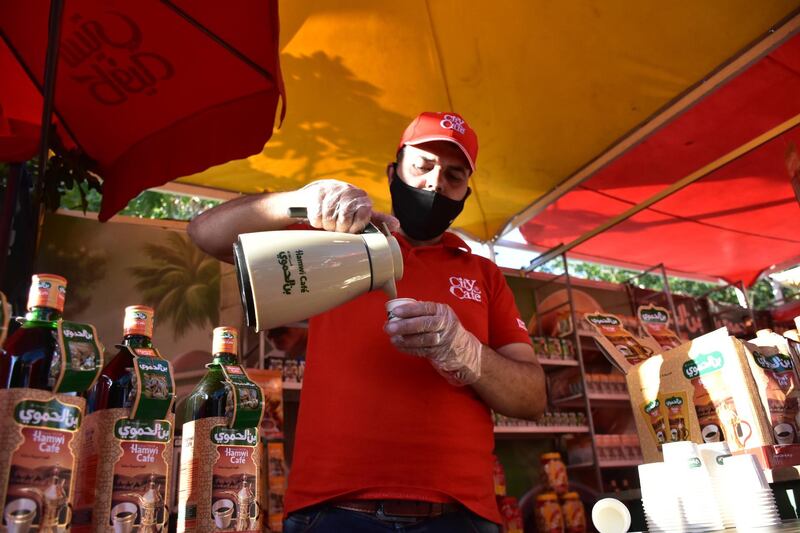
[465, 289]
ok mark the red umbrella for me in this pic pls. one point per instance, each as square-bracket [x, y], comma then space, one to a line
[149, 90]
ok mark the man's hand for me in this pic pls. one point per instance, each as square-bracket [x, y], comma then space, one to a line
[433, 331]
[338, 206]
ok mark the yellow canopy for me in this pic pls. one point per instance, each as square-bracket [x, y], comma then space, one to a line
[548, 86]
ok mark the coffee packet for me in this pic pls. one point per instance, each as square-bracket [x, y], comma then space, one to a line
[655, 322]
[777, 388]
[702, 391]
[622, 348]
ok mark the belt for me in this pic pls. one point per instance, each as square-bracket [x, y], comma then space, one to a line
[398, 510]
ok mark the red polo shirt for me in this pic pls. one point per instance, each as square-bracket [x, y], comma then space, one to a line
[376, 423]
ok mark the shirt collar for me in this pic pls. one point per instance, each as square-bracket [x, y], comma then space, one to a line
[449, 240]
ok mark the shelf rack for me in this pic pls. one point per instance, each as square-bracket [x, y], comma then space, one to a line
[581, 400]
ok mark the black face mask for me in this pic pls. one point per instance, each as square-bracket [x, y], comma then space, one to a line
[423, 215]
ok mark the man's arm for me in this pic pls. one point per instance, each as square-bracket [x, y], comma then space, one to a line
[215, 230]
[332, 205]
[512, 381]
[509, 380]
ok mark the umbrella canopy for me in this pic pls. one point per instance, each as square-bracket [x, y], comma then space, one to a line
[149, 90]
[734, 222]
[548, 86]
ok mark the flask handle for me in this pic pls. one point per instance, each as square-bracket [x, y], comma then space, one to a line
[302, 213]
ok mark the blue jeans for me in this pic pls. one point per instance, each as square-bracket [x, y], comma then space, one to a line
[328, 519]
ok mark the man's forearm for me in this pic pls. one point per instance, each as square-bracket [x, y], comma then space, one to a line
[511, 388]
[215, 230]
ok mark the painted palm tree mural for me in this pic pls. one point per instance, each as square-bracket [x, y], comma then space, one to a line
[181, 283]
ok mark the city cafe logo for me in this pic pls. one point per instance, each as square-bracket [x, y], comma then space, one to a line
[703, 364]
[52, 414]
[452, 122]
[105, 54]
[465, 289]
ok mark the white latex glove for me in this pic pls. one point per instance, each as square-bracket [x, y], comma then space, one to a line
[334, 205]
[433, 331]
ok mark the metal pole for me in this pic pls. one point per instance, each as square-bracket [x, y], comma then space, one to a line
[579, 352]
[749, 306]
[7, 218]
[49, 89]
[668, 292]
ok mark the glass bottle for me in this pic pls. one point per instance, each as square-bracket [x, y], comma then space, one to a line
[31, 353]
[209, 396]
[115, 385]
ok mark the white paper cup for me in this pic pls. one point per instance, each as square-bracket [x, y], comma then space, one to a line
[397, 302]
[744, 471]
[712, 455]
[679, 453]
[611, 516]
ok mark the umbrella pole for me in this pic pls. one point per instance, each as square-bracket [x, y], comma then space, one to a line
[7, 219]
[49, 86]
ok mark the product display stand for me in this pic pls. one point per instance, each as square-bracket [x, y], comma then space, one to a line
[666, 293]
[721, 312]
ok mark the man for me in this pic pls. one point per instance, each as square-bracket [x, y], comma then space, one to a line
[289, 340]
[395, 429]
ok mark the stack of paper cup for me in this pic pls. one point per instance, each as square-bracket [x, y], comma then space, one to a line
[712, 455]
[750, 497]
[697, 498]
[660, 489]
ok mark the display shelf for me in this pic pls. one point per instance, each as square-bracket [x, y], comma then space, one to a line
[609, 397]
[574, 400]
[596, 399]
[546, 361]
[621, 463]
[579, 466]
[624, 495]
[538, 430]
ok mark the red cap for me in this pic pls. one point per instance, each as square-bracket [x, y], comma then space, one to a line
[442, 127]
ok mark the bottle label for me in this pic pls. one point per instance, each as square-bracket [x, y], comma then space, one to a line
[80, 357]
[39, 444]
[141, 475]
[220, 487]
[154, 385]
[47, 290]
[245, 403]
[123, 473]
[5, 317]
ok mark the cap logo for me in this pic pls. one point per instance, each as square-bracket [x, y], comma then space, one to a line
[452, 122]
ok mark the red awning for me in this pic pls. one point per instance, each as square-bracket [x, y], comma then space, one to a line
[150, 91]
[733, 223]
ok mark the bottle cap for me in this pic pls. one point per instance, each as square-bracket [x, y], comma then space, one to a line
[226, 340]
[138, 321]
[47, 290]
